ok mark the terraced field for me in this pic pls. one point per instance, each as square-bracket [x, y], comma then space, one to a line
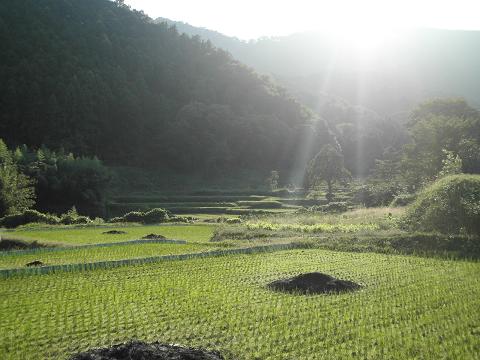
[408, 307]
[87, 254]
[96, 235]
[96, 289]
[227, 204]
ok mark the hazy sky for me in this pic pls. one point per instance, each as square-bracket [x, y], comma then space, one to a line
[249, 19]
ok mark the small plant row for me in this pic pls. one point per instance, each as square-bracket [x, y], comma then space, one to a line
[153, 216]
[185, 198]
[107, 264]
[316, 228]
[87, 246]
[84, 255]
[82, 235]
[34, 216]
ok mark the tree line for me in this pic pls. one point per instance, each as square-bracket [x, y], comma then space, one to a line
[51, 181]
[444, 140]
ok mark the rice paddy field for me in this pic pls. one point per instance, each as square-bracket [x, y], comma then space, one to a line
[408, 308]
[96, 235]
[191, 292]
[86, 254]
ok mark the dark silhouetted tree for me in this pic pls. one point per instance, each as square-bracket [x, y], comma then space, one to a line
[327, 166]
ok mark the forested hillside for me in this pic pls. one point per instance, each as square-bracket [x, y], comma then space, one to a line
[95, 78]
[366, 102]
[410, 66]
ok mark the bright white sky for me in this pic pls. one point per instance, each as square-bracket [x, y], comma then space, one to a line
[249, 19]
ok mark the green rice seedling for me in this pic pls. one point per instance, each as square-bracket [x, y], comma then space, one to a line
[317, 228]
[95, 235]
[408, 307]
[89, 254]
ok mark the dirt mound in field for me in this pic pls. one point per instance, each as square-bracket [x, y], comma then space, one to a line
[154, 237]
[137, 350]
[34, 263]
[114, 232]
[12, 244]
[313, 283]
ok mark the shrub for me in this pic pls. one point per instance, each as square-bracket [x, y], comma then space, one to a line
[156, 215]
[264, 204]
[26, 217]
[403, 200]
[180, 219]
[450, 205]
[69, 220]
[376, 194]
[153, 216]
[333, 207]
[73, 218]
[133, 216]
[233, 221]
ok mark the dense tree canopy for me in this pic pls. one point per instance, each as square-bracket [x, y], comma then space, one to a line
[16, 190]
[445, 140]
[63, 180]
[437, 128]
[326, 166]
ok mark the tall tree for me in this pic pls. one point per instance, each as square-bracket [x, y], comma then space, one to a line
[16, 190]
[327, 166]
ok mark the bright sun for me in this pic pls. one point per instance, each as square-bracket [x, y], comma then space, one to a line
[364, 39]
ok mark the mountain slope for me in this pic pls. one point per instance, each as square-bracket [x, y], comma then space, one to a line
[95, 78]
[408, 68]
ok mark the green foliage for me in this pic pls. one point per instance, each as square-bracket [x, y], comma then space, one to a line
[63, 180]
[384, 183]
[16, 189]
[33, 216]
[451, 205]
[233, 221]
[445, 135]
[132, 216]
[445, 140]
[73, 218]
[153, 216]
[326, 166]
[262, 204]
[102, 79]
[403, 200]
[451, 165]
[26, 217]
[273, 179]
[377, 193]
[331, 207]
[449, 107]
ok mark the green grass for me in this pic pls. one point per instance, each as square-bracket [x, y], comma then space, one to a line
[408, 308]
[383, 217]
[94, 235]
[308, 225]
[94, 254]
[316, 228]
[199, 204]
[185, 198]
